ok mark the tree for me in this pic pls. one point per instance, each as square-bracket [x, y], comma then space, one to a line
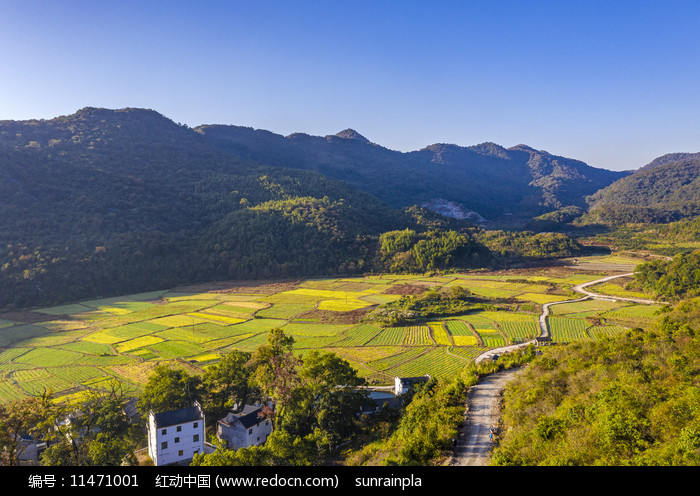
[94, 432]
[274, 369]
[19, 419]
[227, 383]
[169, 389]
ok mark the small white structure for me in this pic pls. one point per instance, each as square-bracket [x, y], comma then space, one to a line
[403, 384]
[244, 429]
[176, 436]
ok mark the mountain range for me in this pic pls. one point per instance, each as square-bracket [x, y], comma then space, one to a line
[494, 182]
[105, 202]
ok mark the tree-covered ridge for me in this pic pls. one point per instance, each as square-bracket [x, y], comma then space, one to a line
[485, 178]
[661, 192]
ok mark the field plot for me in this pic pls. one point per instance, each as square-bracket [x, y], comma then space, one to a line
[73, 347]
[635, 314]
[285, 310]
[407, 336]
[612, 289]
[586, 308]
[599, 332]
[438, 362]
[566, 330]
[386, 363]
[359, 335]
[18, 333]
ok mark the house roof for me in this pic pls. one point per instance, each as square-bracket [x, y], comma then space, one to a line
[413, 380]
[175, 417]
[250, 416]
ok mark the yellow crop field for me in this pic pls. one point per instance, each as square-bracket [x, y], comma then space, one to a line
[217, 318]
[136, 343]
[343, 305]
[541, 298]
[465, 340]
[440, 334]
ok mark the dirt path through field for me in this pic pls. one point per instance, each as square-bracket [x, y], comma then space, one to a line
[473, 447]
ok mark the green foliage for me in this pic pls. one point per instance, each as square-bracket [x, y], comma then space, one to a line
[93, 432]
[449, 301]
[556, 220]
[674, 279]
[661, 192]
[169, 389]
[409, 251]
[316, 401]
[226, 383]
[526, 244]
[628, 400]
[22, 418]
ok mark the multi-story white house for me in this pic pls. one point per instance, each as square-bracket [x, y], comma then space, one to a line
[244, 429]
[176, 436]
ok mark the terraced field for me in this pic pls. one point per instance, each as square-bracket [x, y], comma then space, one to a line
[74, 347]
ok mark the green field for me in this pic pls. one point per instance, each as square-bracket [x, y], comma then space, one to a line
[74, 347]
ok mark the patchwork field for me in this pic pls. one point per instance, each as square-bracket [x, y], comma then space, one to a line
[73, 347]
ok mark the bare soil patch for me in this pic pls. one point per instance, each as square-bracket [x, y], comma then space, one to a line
[406, 289]
[333, 317]
[30, 317]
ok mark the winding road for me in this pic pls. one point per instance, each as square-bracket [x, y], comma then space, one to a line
[473, 447]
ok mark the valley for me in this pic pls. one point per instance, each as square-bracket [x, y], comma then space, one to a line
[76, 347]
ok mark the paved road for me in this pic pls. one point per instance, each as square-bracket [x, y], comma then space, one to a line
[483, 401]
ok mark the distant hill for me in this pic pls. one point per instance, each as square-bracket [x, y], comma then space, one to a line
[665, 190]
[494, 182]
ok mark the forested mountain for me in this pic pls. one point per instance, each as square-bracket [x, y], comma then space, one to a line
[665, 190]
[487, 178]
[106, 202]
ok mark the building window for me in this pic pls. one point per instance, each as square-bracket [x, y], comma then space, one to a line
[179, 428]
[195, 438]
[164, 432]
[180, 453]
[195, 425]
[164, 445]
[250, 431]
[177, 439]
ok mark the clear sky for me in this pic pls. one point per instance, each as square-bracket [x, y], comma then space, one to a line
[613, 83]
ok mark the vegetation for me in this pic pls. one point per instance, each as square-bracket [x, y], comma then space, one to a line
[316, 400]
[425, 431]
[664, 191]
[628, 400]
[673, 279]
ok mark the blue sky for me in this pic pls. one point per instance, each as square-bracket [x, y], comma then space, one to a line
[612, 83]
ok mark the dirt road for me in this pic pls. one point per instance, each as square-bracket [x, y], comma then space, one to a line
[473, 446]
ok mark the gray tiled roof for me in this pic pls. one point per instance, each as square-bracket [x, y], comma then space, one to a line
[175, 417]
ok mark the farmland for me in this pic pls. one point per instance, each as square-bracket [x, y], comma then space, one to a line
[71, 348]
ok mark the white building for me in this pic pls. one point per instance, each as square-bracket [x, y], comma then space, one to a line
[176, 436]
[403, 384]
[244, 429]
